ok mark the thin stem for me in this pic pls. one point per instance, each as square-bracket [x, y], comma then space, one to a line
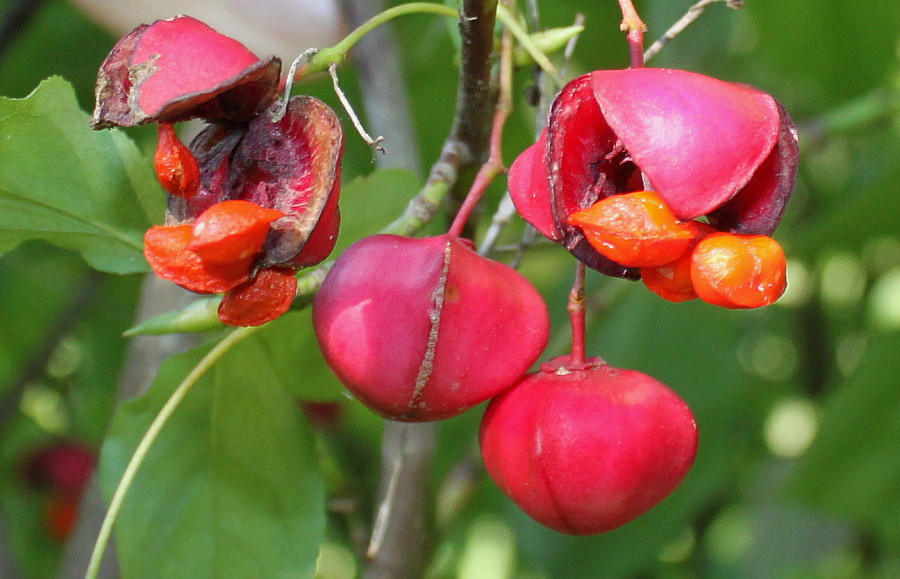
[509, 21]
[494, 165]
[575, 308]
[692, 14]
[319, 61]
[140, 453]
[357, 124]
[634, 29]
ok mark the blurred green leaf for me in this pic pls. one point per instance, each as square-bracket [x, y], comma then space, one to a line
[852, 470]
[828, 52]
[289, 349]
[88, 191]
[369, 203]
[231, 487]
[851, 220]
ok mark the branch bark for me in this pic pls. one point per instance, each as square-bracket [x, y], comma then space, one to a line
[399, 545]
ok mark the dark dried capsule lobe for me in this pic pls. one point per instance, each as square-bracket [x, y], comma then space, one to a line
[177, 69]
[757, 209]
[213, 148]
[585, 163]
[293, 165]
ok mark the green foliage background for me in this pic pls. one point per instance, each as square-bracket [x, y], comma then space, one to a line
[760, 501]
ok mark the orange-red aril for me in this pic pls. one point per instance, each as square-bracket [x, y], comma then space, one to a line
[634, 229]
[166, 250]
[231, 230]
[672, 281]
[738, 271]
[261, 299]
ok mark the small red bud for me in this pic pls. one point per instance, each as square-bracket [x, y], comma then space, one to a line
[176, 167]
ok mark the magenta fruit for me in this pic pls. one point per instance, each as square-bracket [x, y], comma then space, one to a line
[423, 329]
[584, 450]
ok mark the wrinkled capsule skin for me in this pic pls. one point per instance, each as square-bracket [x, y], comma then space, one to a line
[423, 329]
[292, 164]
[177, 69]
[584, 450]
[709, 148]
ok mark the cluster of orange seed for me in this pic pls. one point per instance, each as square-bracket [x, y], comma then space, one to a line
[684, 260]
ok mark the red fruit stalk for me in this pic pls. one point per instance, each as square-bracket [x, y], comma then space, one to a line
[586, 450]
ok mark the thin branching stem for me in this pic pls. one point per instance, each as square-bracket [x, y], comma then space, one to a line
[494, 165]
[634, 29]
[692, 14]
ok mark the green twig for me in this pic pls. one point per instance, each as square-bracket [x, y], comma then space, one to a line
[525, 40]
[318, 61]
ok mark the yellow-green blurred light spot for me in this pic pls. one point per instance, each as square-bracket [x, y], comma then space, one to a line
[489, 552]
[335, 562]
[799, 286]
[791, 427]
[884, 301]
[843, 280]
[849, 352]
[729, 537]
[46, 407]
[769, 356]
[65, 359]
[881, 254]
[830, 166]
[680, 548]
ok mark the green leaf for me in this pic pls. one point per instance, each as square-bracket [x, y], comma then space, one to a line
[288, 348]
[230, 488]
[92, 192]
[851, 470]
[370, 203]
